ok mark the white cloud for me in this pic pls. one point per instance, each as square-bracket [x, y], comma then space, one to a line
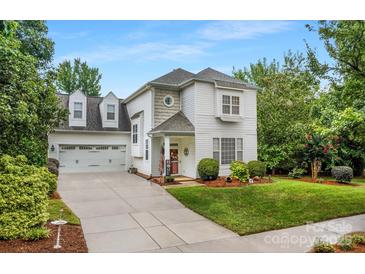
[240, 30]
[141, 52]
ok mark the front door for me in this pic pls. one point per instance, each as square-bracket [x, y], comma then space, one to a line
[174, 160]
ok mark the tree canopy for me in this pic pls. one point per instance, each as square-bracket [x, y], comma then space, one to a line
[78, 76]
[29, 107]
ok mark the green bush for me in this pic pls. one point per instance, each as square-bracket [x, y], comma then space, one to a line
[256, 168]
[358, 239]
[323, 247]
[208, 169]
[53, 169]
[23, 198]
[342, 174]
[239, 170]
[36, 233]
[346, 243]
[297, 172]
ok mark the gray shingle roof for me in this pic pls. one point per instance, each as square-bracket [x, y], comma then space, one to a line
[175, 77]
[179, 76]
[176, 123]
[93, 116]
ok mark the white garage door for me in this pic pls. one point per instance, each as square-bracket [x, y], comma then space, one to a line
[90, 158]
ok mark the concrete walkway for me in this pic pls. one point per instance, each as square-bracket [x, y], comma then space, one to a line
[121, 212]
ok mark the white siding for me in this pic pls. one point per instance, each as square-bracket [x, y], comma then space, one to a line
[188, 103]
[207, 126]
[110, 99]
[142, 102]
[88, 138]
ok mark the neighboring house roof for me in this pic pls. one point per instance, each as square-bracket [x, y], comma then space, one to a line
[178, 123]
[180, 77]
[93, 115]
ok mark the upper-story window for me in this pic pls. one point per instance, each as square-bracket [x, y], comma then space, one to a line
[168, 101]
[110, 112]
[230, 105]
[78, 110]
[135, 133]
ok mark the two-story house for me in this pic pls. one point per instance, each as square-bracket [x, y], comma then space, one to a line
[172, 123]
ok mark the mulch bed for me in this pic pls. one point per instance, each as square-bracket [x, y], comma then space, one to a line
[325, 182]
[160, 181]
[221, 182]
[72, 241]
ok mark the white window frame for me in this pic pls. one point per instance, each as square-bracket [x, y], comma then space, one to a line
[218, 150]
[78, 110]
[172, 101]
[110, 112]
[230, 105]
[135, 134]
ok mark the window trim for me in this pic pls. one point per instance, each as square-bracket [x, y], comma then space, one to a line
[231, 105]
[135, 134]
[78, 110]
[109, 112]
[172, 101]
[236, 151]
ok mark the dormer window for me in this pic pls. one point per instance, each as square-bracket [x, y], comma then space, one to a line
[78, 110]
[110, 115]
[230, 105]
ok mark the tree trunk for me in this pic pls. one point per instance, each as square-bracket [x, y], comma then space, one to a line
[273, 172]
[315, 168]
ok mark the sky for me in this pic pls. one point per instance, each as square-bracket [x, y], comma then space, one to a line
[131, 53]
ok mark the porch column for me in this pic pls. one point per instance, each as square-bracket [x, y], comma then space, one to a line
[167, 152]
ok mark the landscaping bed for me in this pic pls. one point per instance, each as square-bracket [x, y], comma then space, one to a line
[263, 207]
[221, 182]
[161, 181]
[325, 182]
[72, 240]
[350, 243]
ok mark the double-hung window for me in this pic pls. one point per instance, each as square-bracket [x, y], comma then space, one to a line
[135, 134]
[110, 112]
[226, 150]
[77, 110]
[230, 105]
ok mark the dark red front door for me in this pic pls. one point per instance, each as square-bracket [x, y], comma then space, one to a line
[174, 160]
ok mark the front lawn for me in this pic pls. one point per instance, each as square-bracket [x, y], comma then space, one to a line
[258, 208]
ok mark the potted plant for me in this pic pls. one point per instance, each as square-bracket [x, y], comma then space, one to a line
[169, 179]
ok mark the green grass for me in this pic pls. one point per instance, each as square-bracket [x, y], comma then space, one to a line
[356, 180]
[286, 203]
[54, 210]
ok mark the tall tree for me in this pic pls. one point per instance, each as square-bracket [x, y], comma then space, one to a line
[78, 76]
[341, 110]
[34, 40]
[283, 107]
[29, 107]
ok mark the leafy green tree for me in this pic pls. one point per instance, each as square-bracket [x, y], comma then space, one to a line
[78, 76]
[341, 110]
[29, 107]
[283, 106]
[34, 40]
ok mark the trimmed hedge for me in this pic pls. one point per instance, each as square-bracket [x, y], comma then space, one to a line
[208, 169]
[54, 161]
[256, 168]
[342, 174]
[239, 170]
[23, 198]
[297, 173]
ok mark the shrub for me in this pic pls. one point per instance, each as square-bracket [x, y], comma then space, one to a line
[36, 233]
[342, 174]
[208, 169]
[358, 239]
[297, 173]
[54, 161]
[346, 243]
[323, 247]
[23, 198]
[53, 169]
[239, 170]
[169, 179]
[256, 168]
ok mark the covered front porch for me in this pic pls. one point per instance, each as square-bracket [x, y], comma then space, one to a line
[173, 148]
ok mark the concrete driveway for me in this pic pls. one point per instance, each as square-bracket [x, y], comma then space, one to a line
[121, 212]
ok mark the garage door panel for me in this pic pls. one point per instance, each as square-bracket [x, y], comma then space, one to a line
[89, 158]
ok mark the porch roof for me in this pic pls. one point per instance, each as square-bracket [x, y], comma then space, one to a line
[176, 124]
